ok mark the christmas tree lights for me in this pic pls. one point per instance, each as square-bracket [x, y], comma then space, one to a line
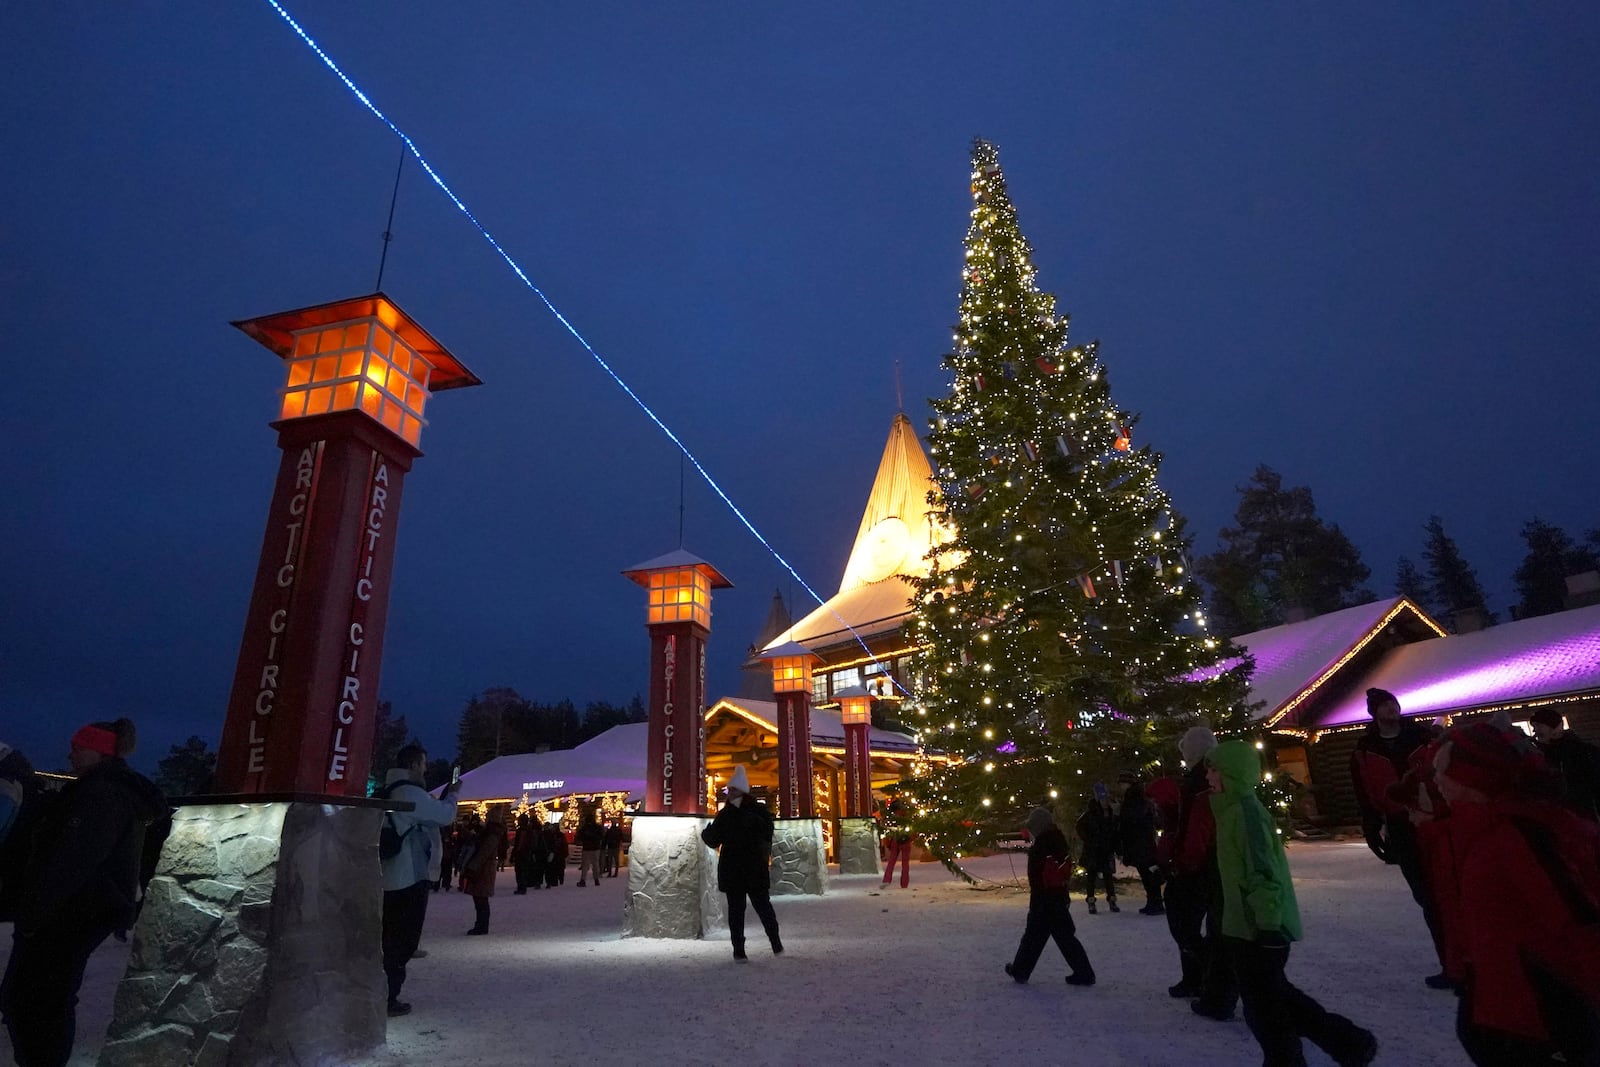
[1064, 637]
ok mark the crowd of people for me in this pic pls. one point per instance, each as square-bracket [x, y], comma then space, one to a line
[1496, 835]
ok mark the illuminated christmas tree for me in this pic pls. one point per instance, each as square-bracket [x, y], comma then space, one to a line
[1065, 638]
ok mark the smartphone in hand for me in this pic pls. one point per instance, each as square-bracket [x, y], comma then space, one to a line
[455, 775]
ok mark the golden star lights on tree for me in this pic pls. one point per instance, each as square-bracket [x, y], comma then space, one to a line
[1065, 639]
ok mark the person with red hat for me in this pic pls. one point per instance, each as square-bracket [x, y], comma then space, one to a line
[82, 883]
[1528, 885]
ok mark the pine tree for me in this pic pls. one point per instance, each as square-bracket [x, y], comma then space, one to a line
[1453, 582]
[1542, 578]
[1282, 562]
[187, 769]
[1063, 631]
[1409, 583]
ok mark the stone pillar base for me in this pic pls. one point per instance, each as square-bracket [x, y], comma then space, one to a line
[260, 941]
[672, 880]
[858, 847]
[799, 858]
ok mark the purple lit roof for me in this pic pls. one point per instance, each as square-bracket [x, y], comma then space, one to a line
[1551, 655]
[1293, 657]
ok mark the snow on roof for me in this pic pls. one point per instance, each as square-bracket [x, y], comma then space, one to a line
[1518, 662]
[866, 609]
[898, 530]
[826, 728]
[1294, 659]
[612, 762]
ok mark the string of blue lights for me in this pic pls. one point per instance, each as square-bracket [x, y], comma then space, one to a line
[516, 269]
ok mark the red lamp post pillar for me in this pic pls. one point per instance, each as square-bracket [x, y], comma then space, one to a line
[301, 710]
[855, 711]
[679, 620]
[791, 689]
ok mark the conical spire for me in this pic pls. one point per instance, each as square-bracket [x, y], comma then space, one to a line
[897, 528]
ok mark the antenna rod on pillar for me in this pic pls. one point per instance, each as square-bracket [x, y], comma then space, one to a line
[899, 394]
[388, 235]
[680, 499]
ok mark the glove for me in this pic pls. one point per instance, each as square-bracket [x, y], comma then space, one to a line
[1272, 939]
[1375, 843]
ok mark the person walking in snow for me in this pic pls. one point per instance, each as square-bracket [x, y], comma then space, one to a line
[81, 884]
[742, 834]
[555, 855]
[1193, 889]
[1381, 758]
[527, 845]
[1097, 829]
[591, 841]
[406, 874]
[1260, 919]
[613, 845]
[478, 873]
[1136, 841]
[1049, 905]
[1527, 914]
[897, 840]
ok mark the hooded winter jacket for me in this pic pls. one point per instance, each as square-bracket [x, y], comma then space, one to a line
[89, 848]
[1257, 894]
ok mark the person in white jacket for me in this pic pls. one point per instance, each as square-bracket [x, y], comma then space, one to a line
[406, 873]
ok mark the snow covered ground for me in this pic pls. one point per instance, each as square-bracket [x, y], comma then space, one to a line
[877, 976]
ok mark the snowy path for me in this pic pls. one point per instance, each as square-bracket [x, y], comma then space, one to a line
[871, 976]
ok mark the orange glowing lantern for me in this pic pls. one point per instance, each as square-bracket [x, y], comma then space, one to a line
[361, 355]
[791, 667]
[855, 705]
[679, 586]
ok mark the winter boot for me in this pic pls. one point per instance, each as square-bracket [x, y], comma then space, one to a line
[1111, 902]
[1092, 910]
[738, 953]
[1081, 978]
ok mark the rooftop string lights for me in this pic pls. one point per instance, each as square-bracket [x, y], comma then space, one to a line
[516, 269]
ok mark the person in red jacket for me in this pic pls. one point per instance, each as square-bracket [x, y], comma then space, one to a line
[1528, 878]
[1381, 758]
[1438, 849]
[1194, 891]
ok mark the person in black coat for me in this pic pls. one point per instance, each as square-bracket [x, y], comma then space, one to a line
[1136, 843]
[1575, 760]
[1049, 914]
[82, 883]
[1097, 829]
[742, 832]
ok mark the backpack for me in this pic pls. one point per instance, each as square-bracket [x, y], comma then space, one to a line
[1056, 872]
[390, 840]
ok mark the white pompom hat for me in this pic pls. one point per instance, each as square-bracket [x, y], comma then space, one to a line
[739, 782]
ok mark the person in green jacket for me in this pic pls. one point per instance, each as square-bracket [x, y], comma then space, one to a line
[1260, 918]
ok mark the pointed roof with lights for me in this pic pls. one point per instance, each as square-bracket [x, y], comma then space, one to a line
[898, 531]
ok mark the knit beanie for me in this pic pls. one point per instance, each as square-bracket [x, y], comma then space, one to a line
[1195, 743]
[1547, 716]
[1376, 697]
[95, 739]
[1101, 793]
[739, 781]
[1492, 759]
[1039, 820]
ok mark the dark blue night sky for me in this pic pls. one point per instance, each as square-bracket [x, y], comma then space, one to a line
[1357, 242]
